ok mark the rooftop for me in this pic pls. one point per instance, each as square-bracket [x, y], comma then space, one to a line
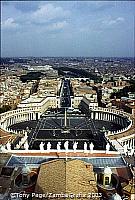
[71, 176]
[5, 136]
[97, 162]
[34, 99]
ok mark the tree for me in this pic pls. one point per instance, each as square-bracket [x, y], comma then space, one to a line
[5, 108]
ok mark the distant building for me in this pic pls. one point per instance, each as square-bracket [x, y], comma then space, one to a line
[131, 95]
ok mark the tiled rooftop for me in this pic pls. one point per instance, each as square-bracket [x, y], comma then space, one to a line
[37, 160]
[5, 136]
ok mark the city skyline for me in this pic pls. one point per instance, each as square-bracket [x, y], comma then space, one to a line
[57, 28]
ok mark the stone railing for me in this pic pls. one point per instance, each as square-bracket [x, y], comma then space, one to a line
[88, 148]
[113, 111]
[16, 151]
[125, 145]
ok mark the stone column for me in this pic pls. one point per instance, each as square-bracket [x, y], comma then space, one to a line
[7, 122]
[111, 117]
[128, 143]
[96, 116]
[32, 116]
[132, 143]
[120, 121]
[102, 116]
[92, 115]
[12, 120]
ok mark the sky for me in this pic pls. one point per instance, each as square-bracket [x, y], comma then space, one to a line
[67, 28]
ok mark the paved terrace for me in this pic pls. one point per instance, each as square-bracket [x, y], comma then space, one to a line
[51, 129]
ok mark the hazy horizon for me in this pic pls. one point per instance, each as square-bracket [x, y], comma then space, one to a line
[67, 57]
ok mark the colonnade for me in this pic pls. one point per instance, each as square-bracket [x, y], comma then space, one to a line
[128, 141]
[125, 145]
[106, 116]
[25, 114]
[21, 117]
[11, 117]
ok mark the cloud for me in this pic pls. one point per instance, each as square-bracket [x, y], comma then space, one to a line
[94, 6]
[66, 24]
[111, 21]
[49, 12]
[120, 19]
[9, 23]
[57, 26]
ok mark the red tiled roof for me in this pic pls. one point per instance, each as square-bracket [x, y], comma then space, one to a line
[70, 154]
[5, 136]
[124, 173]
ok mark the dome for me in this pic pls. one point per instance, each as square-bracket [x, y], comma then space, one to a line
[107, 170]
[116, 197]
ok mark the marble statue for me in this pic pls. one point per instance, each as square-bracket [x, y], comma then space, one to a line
[108, 147]
[8, 145]
[132, 152]
[91, 146]
[66, 145]
[125, 149]
[58, 146]
[75, 146]
[48, 146]
[26, 145]
[85, 146]
[2, 148]
[41, 146]
[17, 146]
[26, 136]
